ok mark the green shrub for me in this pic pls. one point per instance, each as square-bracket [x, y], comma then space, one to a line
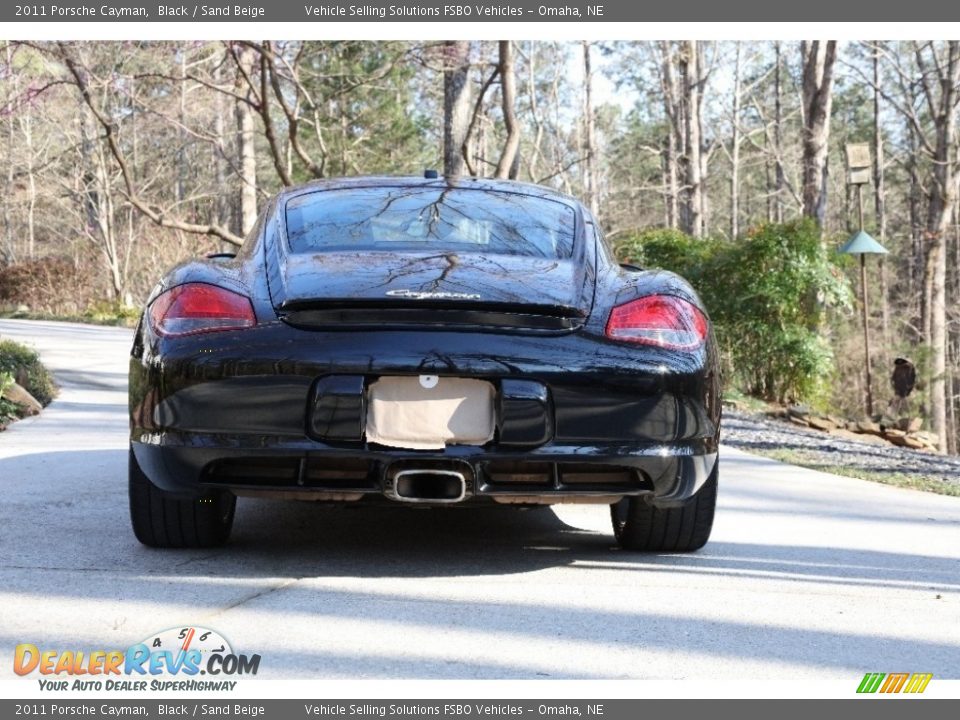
[23, 364]
[766, 294]
[8, 410]
[774, 287]
[668, 249]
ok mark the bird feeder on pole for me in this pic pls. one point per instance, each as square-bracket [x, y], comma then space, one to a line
[858, 174]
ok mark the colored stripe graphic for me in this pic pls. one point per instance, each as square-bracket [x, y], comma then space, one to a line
[918, 682]
[870, 682]
[894, 682]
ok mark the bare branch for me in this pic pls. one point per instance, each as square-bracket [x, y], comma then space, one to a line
[154, 214]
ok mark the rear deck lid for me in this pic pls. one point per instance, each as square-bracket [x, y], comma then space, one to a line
[405, 250]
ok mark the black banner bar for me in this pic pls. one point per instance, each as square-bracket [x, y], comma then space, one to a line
[498, 11]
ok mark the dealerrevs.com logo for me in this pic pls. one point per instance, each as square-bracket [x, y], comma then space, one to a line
[169, 660]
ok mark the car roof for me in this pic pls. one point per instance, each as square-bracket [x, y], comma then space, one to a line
[462, 182]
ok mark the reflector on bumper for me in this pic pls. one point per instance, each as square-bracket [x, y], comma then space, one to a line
[404, 412]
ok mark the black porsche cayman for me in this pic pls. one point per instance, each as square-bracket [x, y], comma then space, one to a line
[424, 340]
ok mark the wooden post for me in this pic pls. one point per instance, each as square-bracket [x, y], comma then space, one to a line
[866, 331]
[859, 207]
[866, 307]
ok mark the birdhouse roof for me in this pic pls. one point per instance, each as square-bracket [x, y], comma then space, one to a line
[863, 244]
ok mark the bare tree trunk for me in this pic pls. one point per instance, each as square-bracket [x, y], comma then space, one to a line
[98, 210]
[691, 89]
[536, 151]
[476, 139]
[735, 152]
[936, 273]
[88, 193]
[777, 133]
[670, 190]
[221, 207]
[483, 143]
[818, 59]
[26, 127]
[768, 180]
[181, 189]
[915, 260]
[879, 200]
[456, 104]
[952, 438]
[132, 226]
[9, 253]
[946, 176]
[590, 140]
[851, 218]
[674, 140]
[246, 151]
[955, 265]
[508, 165]
[705, 151]
[107, 226]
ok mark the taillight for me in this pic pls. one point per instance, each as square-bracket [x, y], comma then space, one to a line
[660, 320]
[198, 307]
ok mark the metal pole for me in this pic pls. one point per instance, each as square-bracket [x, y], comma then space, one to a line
[866, 307]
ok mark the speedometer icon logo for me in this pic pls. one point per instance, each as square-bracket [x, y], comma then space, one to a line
[184, 639]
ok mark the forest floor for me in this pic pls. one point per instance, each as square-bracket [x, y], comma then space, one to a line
[878, 461]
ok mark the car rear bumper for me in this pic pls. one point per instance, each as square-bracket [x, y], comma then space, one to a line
[188, 464]
[280, 411]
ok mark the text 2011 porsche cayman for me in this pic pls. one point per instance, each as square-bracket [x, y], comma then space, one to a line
[424, 340]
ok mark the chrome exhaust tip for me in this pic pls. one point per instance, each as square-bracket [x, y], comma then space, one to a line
[429, 486]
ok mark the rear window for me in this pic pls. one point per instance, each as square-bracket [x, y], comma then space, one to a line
[422, 219]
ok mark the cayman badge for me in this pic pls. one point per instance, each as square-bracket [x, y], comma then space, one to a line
[429, 295]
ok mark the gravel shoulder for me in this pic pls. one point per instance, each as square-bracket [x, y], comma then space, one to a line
[878, 461]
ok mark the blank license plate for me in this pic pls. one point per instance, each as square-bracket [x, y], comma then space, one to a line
[424, 413]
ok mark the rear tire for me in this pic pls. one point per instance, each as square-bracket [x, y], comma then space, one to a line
[641, 526]
[163, 520]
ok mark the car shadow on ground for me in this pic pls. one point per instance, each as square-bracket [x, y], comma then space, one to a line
[276, 538]
[295, 563]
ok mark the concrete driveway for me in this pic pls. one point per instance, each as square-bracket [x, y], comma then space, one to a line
[807, 574]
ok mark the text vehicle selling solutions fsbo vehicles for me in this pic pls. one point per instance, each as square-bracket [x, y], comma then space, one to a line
[428, 341]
